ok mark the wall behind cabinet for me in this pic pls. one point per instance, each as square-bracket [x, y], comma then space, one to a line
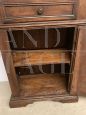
[3, 75]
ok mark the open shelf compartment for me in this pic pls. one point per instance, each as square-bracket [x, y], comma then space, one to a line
[43, 84]
[28, 54]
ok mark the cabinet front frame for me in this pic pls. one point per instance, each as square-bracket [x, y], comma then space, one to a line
[73, 78]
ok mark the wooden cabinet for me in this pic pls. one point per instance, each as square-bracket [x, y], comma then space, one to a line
[43, 48]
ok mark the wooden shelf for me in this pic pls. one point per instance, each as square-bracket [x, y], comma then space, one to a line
[40, 57]
[43, 84]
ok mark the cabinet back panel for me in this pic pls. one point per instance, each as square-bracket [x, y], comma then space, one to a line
[43, 69]
[61, 38]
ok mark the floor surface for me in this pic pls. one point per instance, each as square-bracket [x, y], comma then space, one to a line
[39, 108]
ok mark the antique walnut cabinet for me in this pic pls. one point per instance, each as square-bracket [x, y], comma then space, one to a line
[43, 45]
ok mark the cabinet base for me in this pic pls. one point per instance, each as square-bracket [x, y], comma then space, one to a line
[24, 101]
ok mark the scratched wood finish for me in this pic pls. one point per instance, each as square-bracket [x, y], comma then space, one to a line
[53, 87]
[43, 84]
[24, 58]
[39, 25]
[81, 8]
[36, 1]
[12, 12]
[49, 13]
[81, 68]
[0, 13]
[7, 57]
[49, 20]
[70, 99]
[47, 10]
[21, 102]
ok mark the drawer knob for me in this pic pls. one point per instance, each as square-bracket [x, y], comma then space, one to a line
[40, 11]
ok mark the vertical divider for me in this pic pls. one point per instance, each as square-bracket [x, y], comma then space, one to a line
[72, 77]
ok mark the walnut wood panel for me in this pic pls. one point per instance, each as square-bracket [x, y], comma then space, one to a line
[31, 13]
[81, 69]
[37, 25]
[36, 1]
[82, 9]
[42, 87]
[7, 57]
[43, 84]
[21, 102]
[0, 13]
[73, 87]
[36, 57]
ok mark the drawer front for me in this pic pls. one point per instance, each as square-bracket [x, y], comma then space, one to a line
[39, 12]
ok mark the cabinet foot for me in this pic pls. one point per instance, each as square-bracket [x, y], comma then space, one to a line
[24, 101]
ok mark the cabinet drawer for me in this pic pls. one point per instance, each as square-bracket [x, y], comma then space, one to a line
[39, 12]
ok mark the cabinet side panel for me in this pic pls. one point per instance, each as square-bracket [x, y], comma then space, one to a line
[82, 61]
[7, 58]
[74, 66]
[82, 9]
